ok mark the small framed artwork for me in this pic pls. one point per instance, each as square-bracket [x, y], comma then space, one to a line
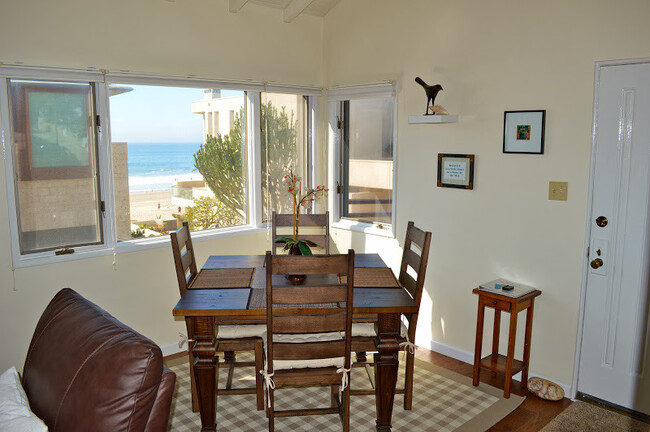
[523, 131]
[456, 170]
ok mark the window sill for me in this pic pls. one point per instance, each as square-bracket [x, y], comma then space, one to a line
[364, 227]
[130, 246]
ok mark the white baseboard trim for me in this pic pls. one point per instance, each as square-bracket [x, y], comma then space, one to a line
[468, 357]
[171, 349]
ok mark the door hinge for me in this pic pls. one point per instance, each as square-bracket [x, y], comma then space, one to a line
[102, 207]
[338, 188]
[97, 121]
[339, 124]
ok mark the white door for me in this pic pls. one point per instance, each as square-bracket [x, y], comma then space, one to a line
[614, 359]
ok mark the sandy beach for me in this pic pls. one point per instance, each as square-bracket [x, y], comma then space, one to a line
[146, 206]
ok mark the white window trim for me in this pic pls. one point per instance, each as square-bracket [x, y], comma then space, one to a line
[335, 95]
[102, 80]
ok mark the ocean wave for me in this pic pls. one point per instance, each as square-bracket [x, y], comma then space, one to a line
[158, 182]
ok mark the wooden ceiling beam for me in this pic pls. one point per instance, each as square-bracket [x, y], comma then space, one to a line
[236, 5]
[294, 9]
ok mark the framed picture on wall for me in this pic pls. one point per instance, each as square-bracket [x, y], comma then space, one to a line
[456, 170]
[523, 131]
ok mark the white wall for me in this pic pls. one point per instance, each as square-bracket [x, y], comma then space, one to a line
[491, 56]
[197, 37]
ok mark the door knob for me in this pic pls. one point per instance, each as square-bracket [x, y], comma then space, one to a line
[598, 262]
[601, 221]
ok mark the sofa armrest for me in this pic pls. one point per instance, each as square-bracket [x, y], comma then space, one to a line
[160, 411]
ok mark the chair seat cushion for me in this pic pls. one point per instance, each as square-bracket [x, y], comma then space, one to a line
[370, 330]
[337, 362]
[15, 414]
[241, 331]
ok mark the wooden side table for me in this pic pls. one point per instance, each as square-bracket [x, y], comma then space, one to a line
[495, 362]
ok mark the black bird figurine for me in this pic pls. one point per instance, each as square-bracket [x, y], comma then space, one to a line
[431, 91]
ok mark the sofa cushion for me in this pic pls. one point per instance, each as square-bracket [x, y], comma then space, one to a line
[15, 414]
[86, 371]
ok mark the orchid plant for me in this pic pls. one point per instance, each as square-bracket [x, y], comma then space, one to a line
[294, 187]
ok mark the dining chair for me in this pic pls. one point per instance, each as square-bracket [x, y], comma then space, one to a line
[309, 327]
[411, 276]
[229, 338]
[314, 227]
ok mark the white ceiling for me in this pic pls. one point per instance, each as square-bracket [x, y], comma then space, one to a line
[292, 8]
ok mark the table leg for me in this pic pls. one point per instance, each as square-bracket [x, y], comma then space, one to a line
[529, 331]
[495, 335]
[386, 365]
[205, 371]
[511, 353]
[478, 346]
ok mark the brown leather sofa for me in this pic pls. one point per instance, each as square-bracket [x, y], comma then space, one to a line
[86, 371]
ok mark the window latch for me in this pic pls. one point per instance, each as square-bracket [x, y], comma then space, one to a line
[64, 251]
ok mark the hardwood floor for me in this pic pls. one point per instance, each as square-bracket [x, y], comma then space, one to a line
[532, 415]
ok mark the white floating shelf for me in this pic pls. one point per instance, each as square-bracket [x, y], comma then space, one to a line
[447, 118]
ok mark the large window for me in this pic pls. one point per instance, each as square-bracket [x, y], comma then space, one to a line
[177, 157]
[99, 162]
[55, 165]
[365, 134]
[284, 118]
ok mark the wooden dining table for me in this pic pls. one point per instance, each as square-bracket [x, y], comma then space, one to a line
[231, 289]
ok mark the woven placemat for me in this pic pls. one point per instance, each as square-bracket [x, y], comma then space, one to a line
[224, 278]
[373, 277]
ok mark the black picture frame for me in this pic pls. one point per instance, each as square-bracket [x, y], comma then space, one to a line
[456, 170]
[523, 131]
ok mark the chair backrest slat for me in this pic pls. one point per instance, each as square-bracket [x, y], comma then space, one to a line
[184, 261]
[317, 350]
[313, 264]
[321, 323]
[410, 284]
[412, 259]
[282, 226]
[309, 309]
[316, 294]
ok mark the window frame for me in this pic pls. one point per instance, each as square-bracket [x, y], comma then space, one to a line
[101, 80]
[336, 97]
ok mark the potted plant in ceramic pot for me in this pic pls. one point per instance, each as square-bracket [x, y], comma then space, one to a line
[294, 245]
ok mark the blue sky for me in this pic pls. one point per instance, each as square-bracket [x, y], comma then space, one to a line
[157, 114]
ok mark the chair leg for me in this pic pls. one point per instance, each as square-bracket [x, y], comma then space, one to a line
[334, 396]
[271, 411]
[229, 356]
[345, 405]
[195, 395]
[259, 381]
[408, 382]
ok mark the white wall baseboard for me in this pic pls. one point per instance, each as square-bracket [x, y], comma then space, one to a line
[172, 348]
[468, 357]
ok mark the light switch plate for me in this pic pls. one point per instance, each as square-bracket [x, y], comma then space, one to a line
[558, 190]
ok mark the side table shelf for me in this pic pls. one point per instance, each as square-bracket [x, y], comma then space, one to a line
[504, 365]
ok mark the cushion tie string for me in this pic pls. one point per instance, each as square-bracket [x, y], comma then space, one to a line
[344, 379]
[408, 345]
[268, 380]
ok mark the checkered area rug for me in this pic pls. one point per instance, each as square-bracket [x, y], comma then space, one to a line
[442, 401]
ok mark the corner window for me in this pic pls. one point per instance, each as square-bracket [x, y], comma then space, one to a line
[365, 137]
[57, 197]
[98, 162]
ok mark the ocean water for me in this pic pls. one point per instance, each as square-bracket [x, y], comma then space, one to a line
[157, 166]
